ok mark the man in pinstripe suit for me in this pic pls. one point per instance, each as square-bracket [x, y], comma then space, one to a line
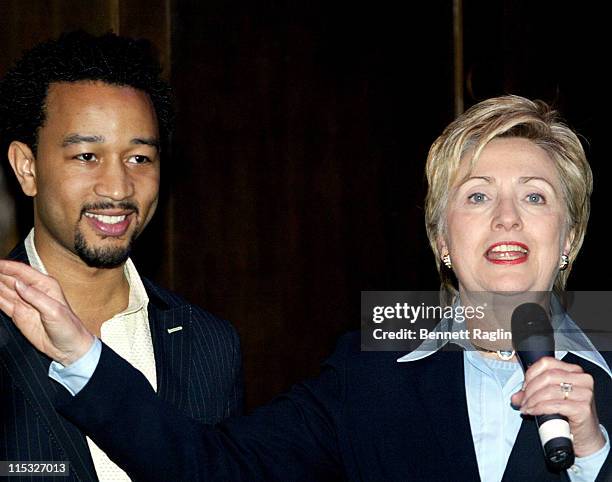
[84, 120]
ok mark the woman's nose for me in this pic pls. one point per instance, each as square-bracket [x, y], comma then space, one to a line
[506, 216]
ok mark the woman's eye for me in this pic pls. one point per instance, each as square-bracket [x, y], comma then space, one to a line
[535, 198]
[86, 156]
[477, 197]
[138, 159]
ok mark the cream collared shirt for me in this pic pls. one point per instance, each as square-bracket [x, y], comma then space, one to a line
[129, 335]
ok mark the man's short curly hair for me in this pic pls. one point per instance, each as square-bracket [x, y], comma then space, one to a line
[73, 57]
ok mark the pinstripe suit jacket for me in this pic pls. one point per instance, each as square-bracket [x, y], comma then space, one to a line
[198, 370]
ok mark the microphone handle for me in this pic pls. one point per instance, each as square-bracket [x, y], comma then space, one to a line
[553, 428]
[528, 358]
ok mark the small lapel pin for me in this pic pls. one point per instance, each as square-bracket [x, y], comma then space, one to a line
[175, 329]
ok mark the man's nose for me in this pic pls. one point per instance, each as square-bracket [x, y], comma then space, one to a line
[114, 181]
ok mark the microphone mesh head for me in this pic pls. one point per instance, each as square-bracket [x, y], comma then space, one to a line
[531, 329]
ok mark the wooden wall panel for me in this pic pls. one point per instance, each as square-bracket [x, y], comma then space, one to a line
[298, 161]
[148, 19]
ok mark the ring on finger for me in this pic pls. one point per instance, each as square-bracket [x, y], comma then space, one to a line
[566, 388]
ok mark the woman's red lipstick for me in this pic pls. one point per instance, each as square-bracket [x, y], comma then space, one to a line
[507, 252]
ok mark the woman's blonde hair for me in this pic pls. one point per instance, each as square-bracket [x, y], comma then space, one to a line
[507, 116]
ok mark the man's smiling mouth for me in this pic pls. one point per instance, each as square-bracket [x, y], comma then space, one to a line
[115, 224]
[105, 218]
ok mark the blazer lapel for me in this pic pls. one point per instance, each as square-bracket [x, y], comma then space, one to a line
[28, 370]
[442, 387]
[526, 460]
[170, 327]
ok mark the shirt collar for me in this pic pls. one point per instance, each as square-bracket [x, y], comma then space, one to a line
[138, 298]
[569, 338]
[33, 257]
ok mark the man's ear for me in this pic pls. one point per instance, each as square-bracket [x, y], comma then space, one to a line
[23, 164]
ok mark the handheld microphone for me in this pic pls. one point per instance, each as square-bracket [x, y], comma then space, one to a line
[532, 337]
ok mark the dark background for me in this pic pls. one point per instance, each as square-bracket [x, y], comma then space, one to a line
[295, 178]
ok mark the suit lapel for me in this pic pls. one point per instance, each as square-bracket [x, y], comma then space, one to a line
[28, 370]
[170, 328]
[526, 460]
[442, 387]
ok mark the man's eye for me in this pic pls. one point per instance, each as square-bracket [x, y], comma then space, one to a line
[536, 198]
[477, 197]
[138, 159]
[86, 156]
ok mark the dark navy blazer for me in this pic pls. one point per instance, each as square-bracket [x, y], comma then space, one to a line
[198, 374]
[366, 417]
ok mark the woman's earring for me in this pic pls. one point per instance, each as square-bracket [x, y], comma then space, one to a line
[564, 262]
[447, 261]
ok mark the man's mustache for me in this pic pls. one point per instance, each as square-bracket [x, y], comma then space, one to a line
[125, 205]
